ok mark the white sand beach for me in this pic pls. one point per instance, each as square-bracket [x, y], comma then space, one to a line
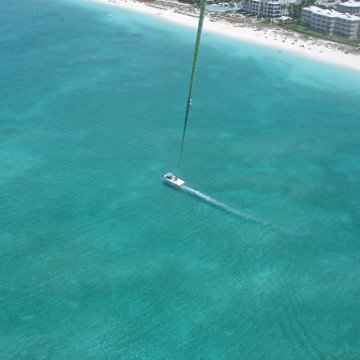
[279, 38]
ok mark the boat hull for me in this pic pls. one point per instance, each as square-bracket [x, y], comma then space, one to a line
[173, 180]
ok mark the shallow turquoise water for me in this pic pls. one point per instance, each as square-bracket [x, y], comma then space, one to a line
[100, 260]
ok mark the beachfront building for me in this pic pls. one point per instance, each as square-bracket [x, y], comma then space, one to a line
[350, 7]
[329, 4]
[266, 8]
[331, 22]
[347, 25]
[318, 19]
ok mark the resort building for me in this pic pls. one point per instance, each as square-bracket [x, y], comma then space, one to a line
[348, 26]
[331, 22]
[319, 19]
[350, 7]
[266, 8]
[329, 4]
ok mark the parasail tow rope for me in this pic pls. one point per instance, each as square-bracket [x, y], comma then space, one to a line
[193, 70]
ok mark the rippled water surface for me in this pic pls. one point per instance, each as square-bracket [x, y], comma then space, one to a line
[100, 260]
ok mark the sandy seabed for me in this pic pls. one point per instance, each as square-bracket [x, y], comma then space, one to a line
[317, 49]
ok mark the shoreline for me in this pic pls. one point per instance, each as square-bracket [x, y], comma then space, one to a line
[277, 38]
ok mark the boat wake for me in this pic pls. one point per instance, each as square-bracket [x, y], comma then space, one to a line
[239, 213]
[224, 207]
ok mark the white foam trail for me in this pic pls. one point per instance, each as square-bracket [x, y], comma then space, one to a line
[239, 213]
[226, 208]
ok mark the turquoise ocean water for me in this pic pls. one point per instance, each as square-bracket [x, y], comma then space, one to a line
[100, 260]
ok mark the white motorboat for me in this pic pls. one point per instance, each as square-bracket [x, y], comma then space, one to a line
[171, 179]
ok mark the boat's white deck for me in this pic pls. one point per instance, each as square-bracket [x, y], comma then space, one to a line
[173, 179]
[177, 181]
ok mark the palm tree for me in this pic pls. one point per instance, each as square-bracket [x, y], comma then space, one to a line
[283, 8]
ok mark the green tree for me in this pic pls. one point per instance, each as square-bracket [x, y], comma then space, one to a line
[295, 10]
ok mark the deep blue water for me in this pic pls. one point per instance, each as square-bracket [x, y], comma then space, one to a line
[100, 260]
